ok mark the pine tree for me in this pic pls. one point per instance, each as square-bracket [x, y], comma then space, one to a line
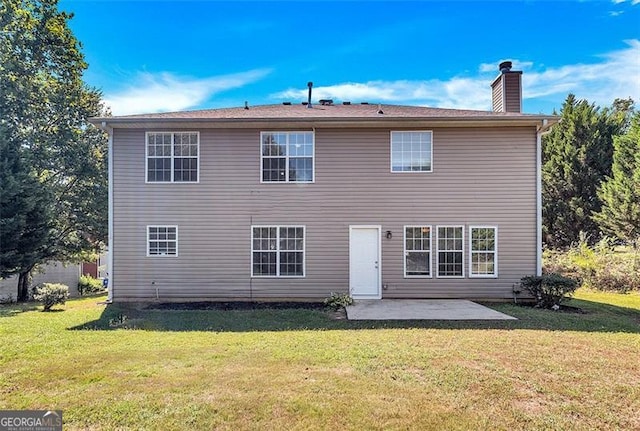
[577, 156]
[25, 224]
[620, 193]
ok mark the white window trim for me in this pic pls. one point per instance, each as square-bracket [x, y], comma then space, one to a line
[304, 250]
[495, 252]
[438, 251]
[391, 151]
[146, 157]
[404, 247]
[313, 157]
[149, 240]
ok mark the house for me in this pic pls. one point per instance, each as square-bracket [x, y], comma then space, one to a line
[56, 272]
[295, 201]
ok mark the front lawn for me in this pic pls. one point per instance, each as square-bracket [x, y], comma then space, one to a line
[116, 367]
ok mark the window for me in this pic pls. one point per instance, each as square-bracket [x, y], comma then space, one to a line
[162, 240]
[483, 251]
[173, 157]
[450, 251]
[277, 251]
[287, 157]
[417, 251]
[411, 151]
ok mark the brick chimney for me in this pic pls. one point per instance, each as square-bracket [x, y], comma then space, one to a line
[506, 89]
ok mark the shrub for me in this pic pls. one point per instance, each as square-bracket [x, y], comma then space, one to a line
[88, 284]
[338, 300]
[51, 294]
[549, 290]
[602, 267]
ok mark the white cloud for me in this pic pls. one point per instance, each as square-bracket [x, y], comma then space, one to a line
[164, 91]
[615, 13]
[615, 75]
[457, 92]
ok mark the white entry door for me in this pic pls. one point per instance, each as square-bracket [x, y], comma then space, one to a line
[364, 262]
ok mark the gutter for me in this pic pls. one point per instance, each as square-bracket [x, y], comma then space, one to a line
[103, 125]
[339, 122]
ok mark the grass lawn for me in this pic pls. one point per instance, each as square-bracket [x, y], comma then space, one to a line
[116, 367]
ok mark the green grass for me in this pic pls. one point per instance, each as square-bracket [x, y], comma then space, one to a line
[117, 367]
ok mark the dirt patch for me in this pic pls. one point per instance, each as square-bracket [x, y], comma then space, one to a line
[563, 308]
[236, 305]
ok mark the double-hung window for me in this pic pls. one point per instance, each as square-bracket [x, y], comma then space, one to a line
[450, 251]
[287, 157]
[277, 251]
[411, 151]
[162, 240]
[173, 157]
[483, 251]
[417, 251]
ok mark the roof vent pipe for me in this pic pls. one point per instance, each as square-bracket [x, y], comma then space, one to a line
[309, 84]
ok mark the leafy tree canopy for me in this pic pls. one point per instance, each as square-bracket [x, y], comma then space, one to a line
[56, 161]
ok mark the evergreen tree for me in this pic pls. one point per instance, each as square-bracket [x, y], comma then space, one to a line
[57, 160]
[577, 156]
[620, 193]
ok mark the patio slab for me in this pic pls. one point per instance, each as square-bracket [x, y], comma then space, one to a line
[422, 309]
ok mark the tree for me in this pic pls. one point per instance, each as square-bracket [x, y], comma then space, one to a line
[577, 156]
[24, 222]
[57, 160]
[620, 193]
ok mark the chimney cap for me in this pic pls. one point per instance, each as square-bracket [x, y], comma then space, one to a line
[505, 66]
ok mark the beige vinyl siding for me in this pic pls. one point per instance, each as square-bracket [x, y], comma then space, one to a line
[482, 176]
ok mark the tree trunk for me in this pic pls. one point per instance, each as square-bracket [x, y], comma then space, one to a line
[23, 286]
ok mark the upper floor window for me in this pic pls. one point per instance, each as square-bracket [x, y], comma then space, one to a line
[411, 151]
[287, 157]
[173, 157]
[483, 251]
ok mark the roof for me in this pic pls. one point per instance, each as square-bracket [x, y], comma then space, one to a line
[342, 115]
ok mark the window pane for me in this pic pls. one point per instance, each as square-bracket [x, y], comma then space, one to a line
[450, 264]
[291, 263]
[274, 169]
[264, 263]
[300, 169]
[417, 263]
[185, 169]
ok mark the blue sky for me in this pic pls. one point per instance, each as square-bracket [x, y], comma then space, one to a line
[149, 56]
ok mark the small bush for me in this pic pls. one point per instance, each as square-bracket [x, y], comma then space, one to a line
[51, 294]
[338, 300]
[549, 290]
[88, 284]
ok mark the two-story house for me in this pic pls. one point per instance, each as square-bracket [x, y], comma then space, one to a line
[298, 200]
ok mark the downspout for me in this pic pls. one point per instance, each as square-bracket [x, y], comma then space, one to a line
[110, 273]
[542, 130]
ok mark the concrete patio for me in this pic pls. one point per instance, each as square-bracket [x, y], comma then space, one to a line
[422, 309]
